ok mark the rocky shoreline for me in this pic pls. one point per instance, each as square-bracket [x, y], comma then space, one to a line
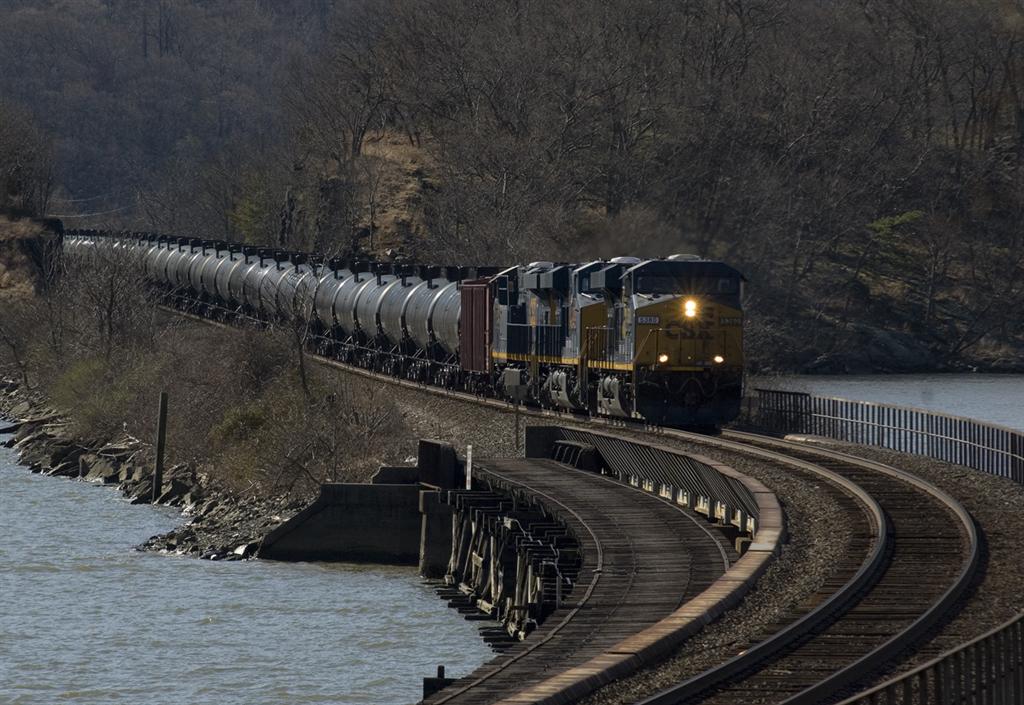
[218, 525]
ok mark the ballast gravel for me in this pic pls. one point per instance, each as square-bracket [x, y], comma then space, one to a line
[819, 536]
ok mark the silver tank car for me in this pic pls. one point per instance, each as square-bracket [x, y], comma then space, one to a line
[222, 274]
[417, 309]
[393, 302]
[295, 291]
[166, 264]
[188, 264]
[177, 267]
[195, 269]
[328, 282]
[368, 303]
[270, 286]
[166, 270]
[150, 252]
[158, 262]
[443, 319]
[236, 279]
[207, 269]
[346, 299]
[252, 277]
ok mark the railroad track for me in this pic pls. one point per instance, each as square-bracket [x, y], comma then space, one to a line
[913, 556]
[642, 559]
[924, 561]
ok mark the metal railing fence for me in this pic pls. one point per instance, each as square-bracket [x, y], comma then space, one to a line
[954, 439]
[988, 670]
[681, 478]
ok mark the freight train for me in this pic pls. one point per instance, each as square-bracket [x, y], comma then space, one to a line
[659, 340]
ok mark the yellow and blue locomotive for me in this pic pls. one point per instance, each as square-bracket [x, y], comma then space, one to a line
[659, 340]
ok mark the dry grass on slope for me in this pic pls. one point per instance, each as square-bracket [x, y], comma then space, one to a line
[19, 275]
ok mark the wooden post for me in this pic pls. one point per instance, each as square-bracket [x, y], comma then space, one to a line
[161, 438]
[469, 467]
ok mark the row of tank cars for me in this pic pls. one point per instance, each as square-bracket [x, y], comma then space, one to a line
[658, 339]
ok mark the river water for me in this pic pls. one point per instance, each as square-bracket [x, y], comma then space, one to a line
[995, 398]
[84, 618]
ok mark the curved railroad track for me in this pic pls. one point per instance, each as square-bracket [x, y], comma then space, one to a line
[905, 587]
[913, 556]
[627, 539]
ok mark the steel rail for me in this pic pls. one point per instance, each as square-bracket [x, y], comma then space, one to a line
[841, 600]
[773, 645]
[951, 681]
[909, 635]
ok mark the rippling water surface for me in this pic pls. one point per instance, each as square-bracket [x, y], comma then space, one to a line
[86, 619]
[995, 398]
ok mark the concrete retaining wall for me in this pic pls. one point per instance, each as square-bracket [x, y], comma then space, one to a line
[386, 521]
[352, 522]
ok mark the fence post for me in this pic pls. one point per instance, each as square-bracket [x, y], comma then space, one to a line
[161, 438]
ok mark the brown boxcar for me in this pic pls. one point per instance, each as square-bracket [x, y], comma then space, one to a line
[475, 326]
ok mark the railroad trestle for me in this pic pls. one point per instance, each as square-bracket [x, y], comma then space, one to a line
[510, 558]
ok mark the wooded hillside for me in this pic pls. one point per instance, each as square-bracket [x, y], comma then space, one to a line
[861, 161]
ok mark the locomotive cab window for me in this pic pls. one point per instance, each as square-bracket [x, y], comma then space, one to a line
[658, 284]
[669, 284]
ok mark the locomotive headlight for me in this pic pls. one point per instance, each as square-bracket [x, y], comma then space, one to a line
[663, 358]
[690, 308]
[718, 359]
